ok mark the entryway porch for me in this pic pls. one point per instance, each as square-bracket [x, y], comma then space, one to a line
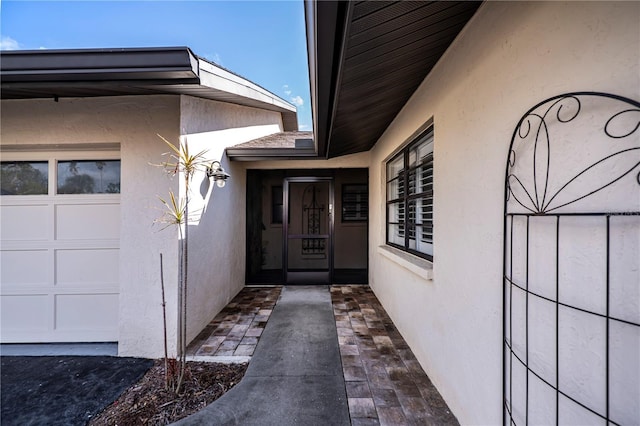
[383, 381]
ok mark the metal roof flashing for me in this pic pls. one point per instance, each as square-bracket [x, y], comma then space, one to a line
[216, 77]
[25, 66]
[33, 74]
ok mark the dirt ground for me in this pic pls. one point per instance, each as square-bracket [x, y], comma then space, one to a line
[148, 403]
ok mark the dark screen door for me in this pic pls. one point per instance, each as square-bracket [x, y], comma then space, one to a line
[308, 230]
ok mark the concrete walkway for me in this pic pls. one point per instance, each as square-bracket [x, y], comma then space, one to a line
[295, 375]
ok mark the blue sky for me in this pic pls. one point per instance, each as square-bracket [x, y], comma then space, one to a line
[263, 41]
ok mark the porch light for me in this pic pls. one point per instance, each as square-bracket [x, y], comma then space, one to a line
[218, 174]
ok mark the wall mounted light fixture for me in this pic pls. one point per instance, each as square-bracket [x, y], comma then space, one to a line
[218, 174]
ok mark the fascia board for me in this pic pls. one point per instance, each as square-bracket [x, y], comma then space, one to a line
[270, 154]
[312, 52]
[97, 64]
[217, 78]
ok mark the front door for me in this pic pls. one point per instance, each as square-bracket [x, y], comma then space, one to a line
[308, 230]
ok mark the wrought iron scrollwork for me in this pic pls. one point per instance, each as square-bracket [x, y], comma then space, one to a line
[570, 265]
[529, 180]
[313, 212]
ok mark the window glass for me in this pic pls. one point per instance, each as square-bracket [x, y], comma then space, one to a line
[412, 181]
[410, 197]
[395, 188]
[24, 177]
[396, 213]
[423, 151]
[425, 172]
[355, 203]
[396, 234]
[395, 166]
[89, 177]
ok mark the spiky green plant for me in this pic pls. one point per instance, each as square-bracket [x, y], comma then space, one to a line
[180, 161]
[174, 213]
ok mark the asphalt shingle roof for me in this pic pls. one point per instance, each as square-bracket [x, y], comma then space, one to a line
[279, 140]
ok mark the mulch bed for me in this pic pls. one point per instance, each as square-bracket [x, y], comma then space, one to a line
[148, 403]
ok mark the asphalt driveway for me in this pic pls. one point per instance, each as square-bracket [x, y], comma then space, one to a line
[63, 390]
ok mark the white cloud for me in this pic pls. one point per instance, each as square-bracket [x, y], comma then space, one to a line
[297, 101]
[214, 57]
[7, 43]
[303, 127]
[294, 99]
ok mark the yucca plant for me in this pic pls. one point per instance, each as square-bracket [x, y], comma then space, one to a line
[179, 161]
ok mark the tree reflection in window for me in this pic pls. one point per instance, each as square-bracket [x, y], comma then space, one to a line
[24, 177]
[89, 177]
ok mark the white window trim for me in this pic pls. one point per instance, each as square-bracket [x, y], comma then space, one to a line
[412, 263]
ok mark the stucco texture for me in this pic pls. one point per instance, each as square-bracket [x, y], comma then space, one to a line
[509, 57]
[217, 234]
[131, 122]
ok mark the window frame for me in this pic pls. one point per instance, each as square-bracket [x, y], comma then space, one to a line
[52, 154]
[30, 162]
[58, 162]
[425, 135]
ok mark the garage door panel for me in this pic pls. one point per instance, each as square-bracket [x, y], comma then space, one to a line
[24, 267]
[87, 222]
[87, 266]
[24, 222]
[25, 313]
[59, 249]
[86, 312]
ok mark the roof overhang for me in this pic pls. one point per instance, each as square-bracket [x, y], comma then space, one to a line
[33, 74]
[367, 58]
[278, 146]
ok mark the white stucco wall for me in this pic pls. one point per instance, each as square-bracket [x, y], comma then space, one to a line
[133, 123]
[217, 242]
[510, 56]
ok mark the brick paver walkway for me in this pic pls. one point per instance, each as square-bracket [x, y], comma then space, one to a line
[235, 331]
[385, 384]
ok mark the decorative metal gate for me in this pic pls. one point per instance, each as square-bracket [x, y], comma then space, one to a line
[312, 215]
[572, 263]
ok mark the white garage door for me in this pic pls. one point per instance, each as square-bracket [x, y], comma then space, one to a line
[59, 260]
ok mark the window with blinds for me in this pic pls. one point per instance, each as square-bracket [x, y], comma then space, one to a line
[355, 203]
[410, 197]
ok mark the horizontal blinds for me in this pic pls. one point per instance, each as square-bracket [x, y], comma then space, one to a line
[355, 203]
[410, 196]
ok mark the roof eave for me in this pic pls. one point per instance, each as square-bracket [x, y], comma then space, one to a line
[218, 78]
[322, 41]
[131, 71]
[28, 66]
[356, 91]
[265, 154]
